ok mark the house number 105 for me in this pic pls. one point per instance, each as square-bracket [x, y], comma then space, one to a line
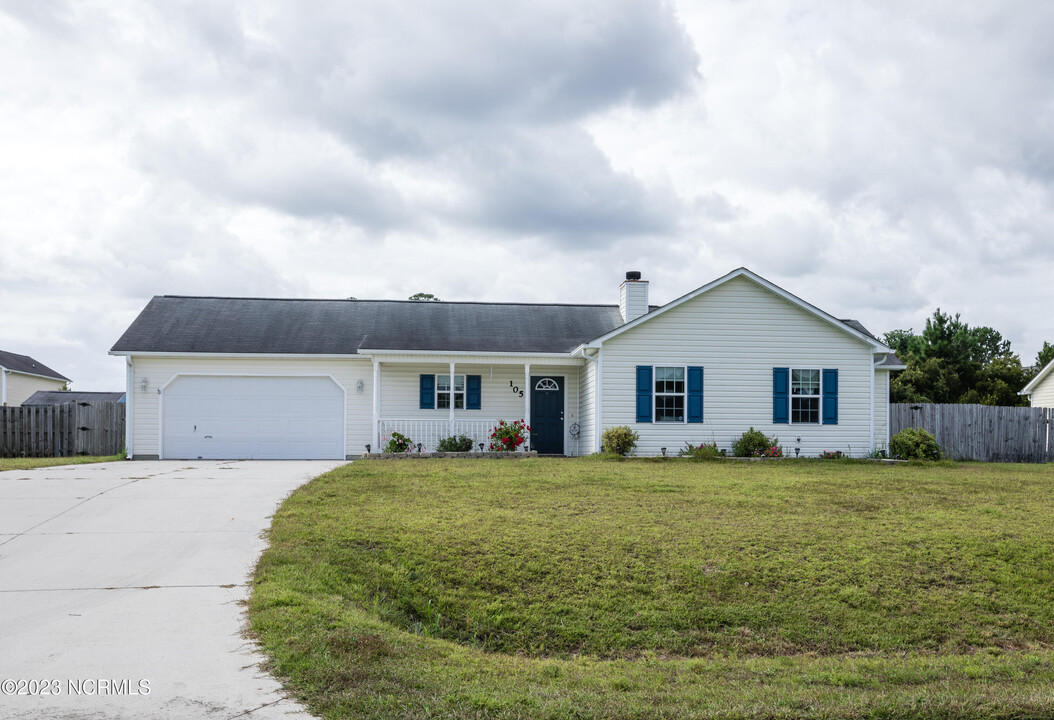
[515, 389]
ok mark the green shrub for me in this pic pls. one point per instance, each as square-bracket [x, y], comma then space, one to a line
[703, 451]
[455, 443]
[754, 443]
[398, 443]
[914, 443]
[620, 440]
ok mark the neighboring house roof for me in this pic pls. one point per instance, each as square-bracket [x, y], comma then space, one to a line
[27, 365]
[341, 327]
[61, 397]
[891, 362]
[1034, 383]
[268, 326]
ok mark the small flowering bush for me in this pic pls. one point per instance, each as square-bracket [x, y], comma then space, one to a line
[509, 436]
[754, 443]
[830, 454]
[702, 451]
[770, 452]
[398, 443]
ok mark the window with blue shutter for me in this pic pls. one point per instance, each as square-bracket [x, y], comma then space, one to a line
[781, 395]
[830, 397]
[695, 394]
[473, 392]
[644, 393]
[428, 392]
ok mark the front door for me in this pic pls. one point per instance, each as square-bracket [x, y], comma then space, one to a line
[547, 415]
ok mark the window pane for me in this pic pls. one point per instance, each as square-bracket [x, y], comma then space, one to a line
[805, 382]
[459, 383]
[805, 410]
[443, 400]
[443, 383]
[459, 401]
[669, 408]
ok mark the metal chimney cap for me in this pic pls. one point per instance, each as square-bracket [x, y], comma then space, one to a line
[633, 275]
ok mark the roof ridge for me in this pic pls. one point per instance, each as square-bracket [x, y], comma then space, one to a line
[382, 300]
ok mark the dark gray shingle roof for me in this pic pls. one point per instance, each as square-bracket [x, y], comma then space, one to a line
[55, 397]
[890, 360]
[26, 364]
[340, 327]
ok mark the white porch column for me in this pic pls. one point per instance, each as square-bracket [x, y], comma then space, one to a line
[527, 395]
[450, 428]
[376, 447]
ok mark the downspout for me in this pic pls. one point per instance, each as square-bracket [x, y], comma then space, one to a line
[376, 447]
[871, 415]
[3, 386]
[129, 407]
[598, 406]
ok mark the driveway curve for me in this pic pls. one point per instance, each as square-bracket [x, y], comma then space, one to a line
[122, 588]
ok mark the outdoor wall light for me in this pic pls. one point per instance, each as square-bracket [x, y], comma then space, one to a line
[359, 385]
[143, 383]
[368, 447]
[481, 447]
[663, 451]
[796, 451]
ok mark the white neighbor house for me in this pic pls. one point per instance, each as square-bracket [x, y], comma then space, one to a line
[21, 376]
[266, 378]
[1040, 390]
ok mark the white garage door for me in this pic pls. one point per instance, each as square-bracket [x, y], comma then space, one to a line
[261, 418]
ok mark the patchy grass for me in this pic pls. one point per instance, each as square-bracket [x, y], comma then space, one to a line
[30, 463]
[599, 588]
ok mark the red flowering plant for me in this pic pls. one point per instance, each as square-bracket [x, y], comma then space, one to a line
[509, 436]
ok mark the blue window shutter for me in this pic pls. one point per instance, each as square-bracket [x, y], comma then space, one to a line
[644, 393]
[781, 395]
[830, 397]
[473, 392]
[695, 394]
[428, 392]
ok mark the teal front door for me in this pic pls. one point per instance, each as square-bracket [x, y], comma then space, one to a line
[547, 415]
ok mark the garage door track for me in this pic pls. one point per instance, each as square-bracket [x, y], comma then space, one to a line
[122, 589]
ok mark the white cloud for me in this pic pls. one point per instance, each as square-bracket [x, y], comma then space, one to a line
[878, 160]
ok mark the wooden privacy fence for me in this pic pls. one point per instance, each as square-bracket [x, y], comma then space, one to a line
[982, 432]
[62, 430]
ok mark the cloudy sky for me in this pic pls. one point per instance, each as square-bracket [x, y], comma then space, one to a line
[877, 159]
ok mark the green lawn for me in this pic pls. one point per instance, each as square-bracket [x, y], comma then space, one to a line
[595, 588]
[30, 463]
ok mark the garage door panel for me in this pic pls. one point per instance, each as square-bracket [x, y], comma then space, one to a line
[229, 417]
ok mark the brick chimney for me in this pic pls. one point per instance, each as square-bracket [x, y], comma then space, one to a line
[633, 296]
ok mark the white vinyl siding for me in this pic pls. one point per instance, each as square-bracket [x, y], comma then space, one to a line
[160, 370]
[739, 331]
[20, 386]
[882, 410]
[1043, 393]
[587, 436]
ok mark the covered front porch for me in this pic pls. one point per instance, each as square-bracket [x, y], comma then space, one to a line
[430, 396]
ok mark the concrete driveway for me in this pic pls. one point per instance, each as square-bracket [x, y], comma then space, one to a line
[121, 589]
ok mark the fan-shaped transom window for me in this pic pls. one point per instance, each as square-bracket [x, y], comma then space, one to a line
[547, 384]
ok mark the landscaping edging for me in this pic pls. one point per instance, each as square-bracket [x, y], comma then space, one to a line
[496, 455]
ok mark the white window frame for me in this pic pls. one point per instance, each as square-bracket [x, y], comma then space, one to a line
[818, 396]
[453, 392]
[655, 395]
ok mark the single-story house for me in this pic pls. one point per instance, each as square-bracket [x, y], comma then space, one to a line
[21, 376]
[215, 377]
[1040, 390]
[61, 397]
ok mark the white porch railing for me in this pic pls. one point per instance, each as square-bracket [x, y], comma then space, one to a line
[430, 432]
